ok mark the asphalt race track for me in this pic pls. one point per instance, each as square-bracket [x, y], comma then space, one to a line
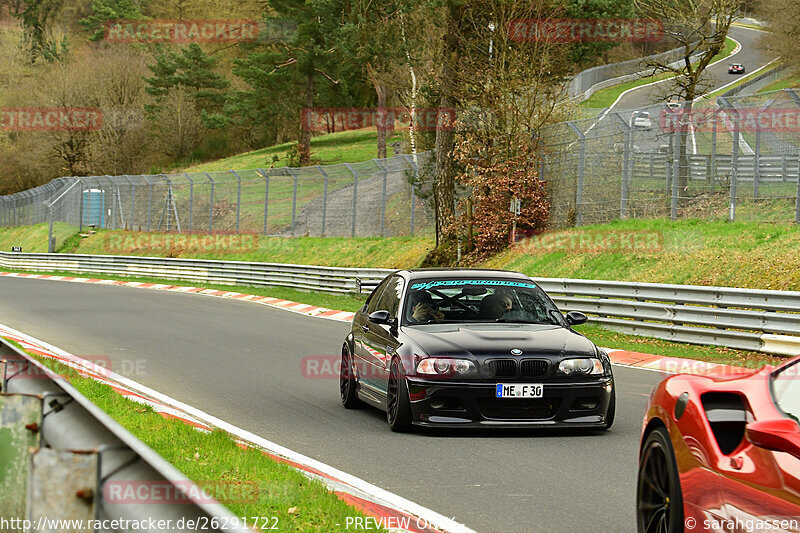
[717, 75]
[241, 362]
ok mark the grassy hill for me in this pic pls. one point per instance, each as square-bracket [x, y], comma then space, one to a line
[342, 147]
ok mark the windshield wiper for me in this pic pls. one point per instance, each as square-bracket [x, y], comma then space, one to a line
[520, 321]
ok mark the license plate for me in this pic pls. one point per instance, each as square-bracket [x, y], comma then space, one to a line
[519, 390]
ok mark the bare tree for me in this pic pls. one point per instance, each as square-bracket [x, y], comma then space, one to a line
[700, 28]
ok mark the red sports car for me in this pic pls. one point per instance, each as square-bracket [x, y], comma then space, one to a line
[722, 453]
[736, 68]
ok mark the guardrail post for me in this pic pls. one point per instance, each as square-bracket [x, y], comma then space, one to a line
[324, 196]
[294, 197]
[191, 199]
[355, 198]
[385, 174]
[238, 197]
[210, 204]
[18, 414]
[581, 170]
[266, 196]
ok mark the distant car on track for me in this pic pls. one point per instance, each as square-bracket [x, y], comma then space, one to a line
[736, 68]
[473, 348]
[674, 103]
[641, 120]
[718, 450]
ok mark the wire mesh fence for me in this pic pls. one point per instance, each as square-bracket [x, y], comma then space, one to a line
[736, 159]
[360, 199]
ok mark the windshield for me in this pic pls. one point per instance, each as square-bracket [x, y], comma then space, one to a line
[478, 300]
[786, 389]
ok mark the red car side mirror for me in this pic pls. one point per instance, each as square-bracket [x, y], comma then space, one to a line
[781, 435]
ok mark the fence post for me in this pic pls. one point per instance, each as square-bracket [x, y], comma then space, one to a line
[385, 174]
[412, 162]
[51, 244]
[324, 197]
[210, 204]
[149, 199]
[676, 168]
[713, 149]
[355, 198]
[627, 146]
[238, 197]
[581, 170]
[266, 196]
[294, 197]
[191, 199]
[797, 197]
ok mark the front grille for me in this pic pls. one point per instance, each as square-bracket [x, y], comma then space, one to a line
[532, 368]
[502, 368]
[519, 408]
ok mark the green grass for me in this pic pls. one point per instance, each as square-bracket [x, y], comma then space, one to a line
[246, 481]
[388, 252]
[33, 239]
[352, 146]
[694, 252]
[789, 81]
[605, 97]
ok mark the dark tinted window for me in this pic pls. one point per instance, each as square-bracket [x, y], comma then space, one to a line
[390, 299]
[375, 297]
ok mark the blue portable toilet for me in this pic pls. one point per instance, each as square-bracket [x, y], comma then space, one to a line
[94, 202]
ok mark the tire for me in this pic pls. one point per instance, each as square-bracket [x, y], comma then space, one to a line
[347, 381]
[659, 503]
[398, 404]
[612, 407]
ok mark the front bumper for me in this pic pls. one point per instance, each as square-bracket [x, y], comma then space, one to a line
[437, 403]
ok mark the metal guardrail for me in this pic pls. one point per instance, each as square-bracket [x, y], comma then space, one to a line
[327, 279]
[66, 459]
[750, 319]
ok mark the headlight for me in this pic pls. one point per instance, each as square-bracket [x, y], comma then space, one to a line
[588, 366]
[444, 366]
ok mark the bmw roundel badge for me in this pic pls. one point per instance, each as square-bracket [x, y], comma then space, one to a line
[516, 351]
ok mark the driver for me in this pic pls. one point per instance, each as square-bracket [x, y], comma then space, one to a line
[423, 308]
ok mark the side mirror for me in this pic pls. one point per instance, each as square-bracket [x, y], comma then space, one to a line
[380, 317]
[576, 318]
[780, 435]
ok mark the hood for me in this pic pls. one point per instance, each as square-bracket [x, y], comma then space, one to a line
[498, 339]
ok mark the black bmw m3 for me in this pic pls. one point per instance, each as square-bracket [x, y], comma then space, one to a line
[473, 348]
